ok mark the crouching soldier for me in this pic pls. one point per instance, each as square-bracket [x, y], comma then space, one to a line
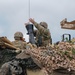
[13, 66]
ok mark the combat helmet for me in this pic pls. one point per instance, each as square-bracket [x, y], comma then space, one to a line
[18, 35]
[44, 24]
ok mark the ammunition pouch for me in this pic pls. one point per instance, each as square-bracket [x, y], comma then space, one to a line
[34, 33]
[39, 42]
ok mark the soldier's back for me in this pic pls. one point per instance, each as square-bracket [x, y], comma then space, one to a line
[19, 44]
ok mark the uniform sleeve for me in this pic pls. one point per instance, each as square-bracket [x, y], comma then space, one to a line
[24, 45]
[40, 28]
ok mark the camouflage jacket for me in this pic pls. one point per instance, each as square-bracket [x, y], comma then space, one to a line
[19, 44]
[43, 33]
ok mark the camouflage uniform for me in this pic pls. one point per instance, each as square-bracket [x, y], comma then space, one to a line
[10, 68]
[42, 32]
[19, 43]
[13, 66]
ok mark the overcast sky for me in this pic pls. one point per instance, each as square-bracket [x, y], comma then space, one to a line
[14, 13]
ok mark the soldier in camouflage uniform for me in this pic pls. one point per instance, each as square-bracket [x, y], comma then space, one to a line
[42, 34]
[19, 41]
[13, 65]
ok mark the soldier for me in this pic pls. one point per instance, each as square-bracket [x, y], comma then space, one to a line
[17, 66]
[19, 41]
[13, 66]
[42, 34]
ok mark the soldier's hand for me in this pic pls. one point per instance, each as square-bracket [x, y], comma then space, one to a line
[26, 24]
[32, 20]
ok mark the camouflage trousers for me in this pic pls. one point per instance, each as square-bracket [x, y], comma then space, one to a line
[11, 68]
[4, 69]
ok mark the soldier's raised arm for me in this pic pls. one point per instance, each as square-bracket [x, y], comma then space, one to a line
[37, 25]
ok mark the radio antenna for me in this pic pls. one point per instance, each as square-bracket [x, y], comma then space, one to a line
[29, 8]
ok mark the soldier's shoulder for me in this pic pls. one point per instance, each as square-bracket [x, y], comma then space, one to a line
[46, 31]
[19, 43]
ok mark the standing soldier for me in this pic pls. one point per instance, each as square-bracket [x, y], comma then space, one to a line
[42, 34]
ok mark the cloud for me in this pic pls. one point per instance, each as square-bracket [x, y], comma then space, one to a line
[1, 31]
[14, 13]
